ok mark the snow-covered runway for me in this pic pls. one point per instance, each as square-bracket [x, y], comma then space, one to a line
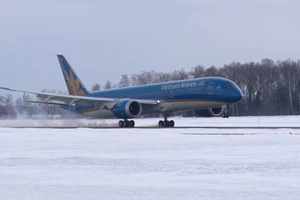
[149, 164]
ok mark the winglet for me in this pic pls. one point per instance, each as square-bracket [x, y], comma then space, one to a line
[73, 82]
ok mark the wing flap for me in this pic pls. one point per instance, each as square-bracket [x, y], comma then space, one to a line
[51, 103]
[146, 101]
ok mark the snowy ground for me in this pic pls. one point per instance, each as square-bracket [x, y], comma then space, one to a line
[273, 121]
[152, 163]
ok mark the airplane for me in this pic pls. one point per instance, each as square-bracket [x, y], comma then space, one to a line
[214, 94]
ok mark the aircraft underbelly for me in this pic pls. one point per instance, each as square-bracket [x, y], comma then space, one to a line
[176, 106]
[102, 114]
[161, 108]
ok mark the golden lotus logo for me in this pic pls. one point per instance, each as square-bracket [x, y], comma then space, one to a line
[201, 83]
[73, 84]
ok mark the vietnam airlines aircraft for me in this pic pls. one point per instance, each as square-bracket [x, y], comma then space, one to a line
[212, 93]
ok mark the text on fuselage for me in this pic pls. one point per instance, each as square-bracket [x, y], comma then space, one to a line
[178, 85]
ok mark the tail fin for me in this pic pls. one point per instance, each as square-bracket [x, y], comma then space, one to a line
[73, 82]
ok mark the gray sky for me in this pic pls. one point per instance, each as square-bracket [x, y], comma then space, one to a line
[105, 39]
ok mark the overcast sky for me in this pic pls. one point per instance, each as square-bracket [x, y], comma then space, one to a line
[105, 39]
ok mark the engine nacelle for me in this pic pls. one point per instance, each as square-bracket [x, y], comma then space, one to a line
[126, 109]
[211, 112]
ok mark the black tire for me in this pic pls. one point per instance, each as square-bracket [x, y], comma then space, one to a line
[171, 123]
[121, 123]
[131, 123]
[160, 123]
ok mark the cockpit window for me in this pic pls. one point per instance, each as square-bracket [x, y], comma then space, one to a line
[226, 86]
[230, 85]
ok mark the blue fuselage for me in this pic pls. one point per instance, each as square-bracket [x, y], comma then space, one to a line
[210, 88]
[192, 94]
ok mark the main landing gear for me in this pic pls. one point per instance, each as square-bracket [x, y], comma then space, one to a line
[166, 122]
[126, 123]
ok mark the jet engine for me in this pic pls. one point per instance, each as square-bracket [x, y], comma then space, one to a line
[211, 112]
[126, 109]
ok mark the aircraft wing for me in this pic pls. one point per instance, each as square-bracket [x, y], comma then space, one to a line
[70, 99]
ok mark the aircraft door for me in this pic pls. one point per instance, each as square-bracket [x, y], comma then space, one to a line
[210, 88]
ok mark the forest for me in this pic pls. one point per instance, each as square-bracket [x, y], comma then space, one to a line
[269, 87]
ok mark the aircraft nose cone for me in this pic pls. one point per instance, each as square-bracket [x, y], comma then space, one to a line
[239, 95]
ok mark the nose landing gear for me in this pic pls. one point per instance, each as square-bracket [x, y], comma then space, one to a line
[225, 113]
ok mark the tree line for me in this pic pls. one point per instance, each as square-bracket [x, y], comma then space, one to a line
[269, 87]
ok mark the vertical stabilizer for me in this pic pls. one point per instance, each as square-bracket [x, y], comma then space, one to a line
[73, 82]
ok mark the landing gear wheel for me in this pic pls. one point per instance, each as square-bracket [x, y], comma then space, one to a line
[225, 114]
[166, 122]
[126, 123]
[161, 123]
[171, 123]
[121, 123]
[131, 123]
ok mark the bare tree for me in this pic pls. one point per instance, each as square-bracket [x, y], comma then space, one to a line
[146, 77]
[162, 77]
[212, 71]
[96, 87]
[180, 75]
[289, 78]
[108, 85]
[125, 81]
[198, 71]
